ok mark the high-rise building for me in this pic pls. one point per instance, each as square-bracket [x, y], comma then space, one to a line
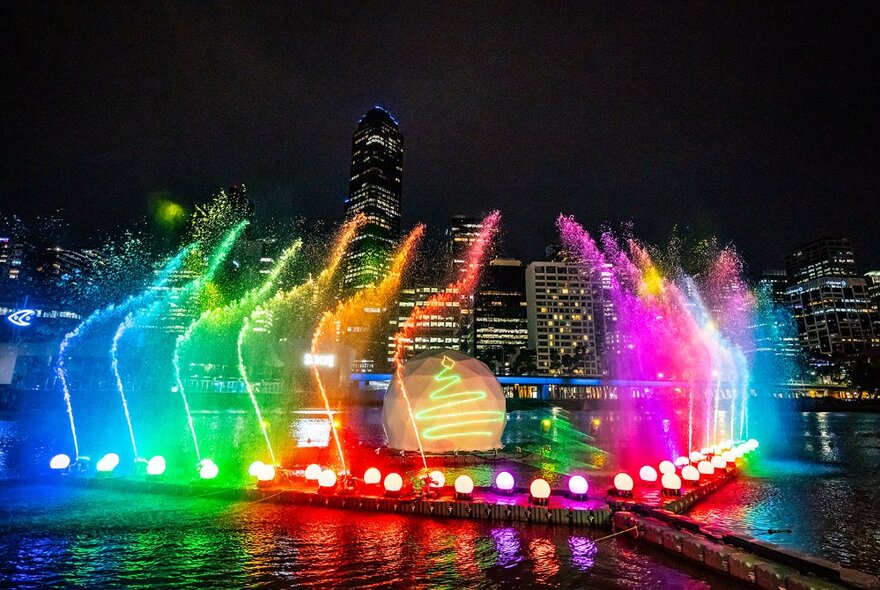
[774, 282]
[461, 233]
[439, 328]
[499, 329]
[872, 278]
[374, 191]
[829, 300]
[564, 310]
[828, 257]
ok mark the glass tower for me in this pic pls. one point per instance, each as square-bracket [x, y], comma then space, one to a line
[374, 190]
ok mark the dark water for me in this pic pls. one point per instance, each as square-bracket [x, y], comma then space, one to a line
[818, 478]
[824, 486]
[51, 536]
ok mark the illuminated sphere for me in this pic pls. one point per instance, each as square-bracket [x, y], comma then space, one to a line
[156, 465]
[504, 481]
[695, 457]
[682, 461]
[705, 451]
[667, 467]
[393, 482]
[107, 463]
[752, 443]
[254, 469]
[372, 476]
[690, 473]
[623, 482]
[61, 461]
[438, 480]
[267, 473]
[718, 462]
[648, 473]
[728, 457]
[464, 485]
[577, 484]
[705, 468]
[739, 451]
[540, 489]
[327, 479]
[208, 469]
[457, 405]
[313, 472]
[670, 481]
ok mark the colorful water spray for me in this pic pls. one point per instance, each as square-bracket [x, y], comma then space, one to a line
[462, 287]
[353, 319]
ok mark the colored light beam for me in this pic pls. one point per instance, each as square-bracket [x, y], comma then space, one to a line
[463, 287]
[162, 279]
[352, 322]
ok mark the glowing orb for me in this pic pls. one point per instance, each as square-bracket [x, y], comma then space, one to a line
[464, 485]
[728, 457]
[718, 462]
[437, 479]
[695, 457]
[61, 461]
[504, 481]
[690, 473]
[577, 484]
[313, 472]
[156, 465]
[393, 482]
[457, 405]
[254, 469]
[705, 468]
[753, 444]
[540, 489]
[266, 473]
[107, 463]
[372, 476]
[682, 461]
[739, 451]
[546, 423]
[705, 451]
[208, 469]
[667, 467]
[623, 482]
[327, 479]
[648, 473]
[670, 481]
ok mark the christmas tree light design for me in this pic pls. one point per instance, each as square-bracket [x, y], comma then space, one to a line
[454, 420]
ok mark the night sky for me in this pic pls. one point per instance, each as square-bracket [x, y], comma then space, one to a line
[757, 123]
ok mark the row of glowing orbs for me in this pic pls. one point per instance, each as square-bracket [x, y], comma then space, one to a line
[155, 466]
[705, 466]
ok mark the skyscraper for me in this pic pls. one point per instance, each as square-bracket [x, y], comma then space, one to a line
[461, 233]
[374, 190]
[499, 329]
[828, 257]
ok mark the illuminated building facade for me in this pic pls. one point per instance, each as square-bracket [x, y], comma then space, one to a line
[500, 320]
[374, 191]
[437, 330]
[461, 233]
[830, 301]
[564, 310]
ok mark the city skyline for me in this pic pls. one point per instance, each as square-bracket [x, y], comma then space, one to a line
[735, 138]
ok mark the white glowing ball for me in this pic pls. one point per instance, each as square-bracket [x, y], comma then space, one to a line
[504, 481]
[690, 473]
[716, 449]
[695, 457]
[705, 468]
[718, 462]
[705, 451]
[438, 480]
[682, 461]
[753, 444]
[266, 473]
[464, 484]
[313, 472]
[208, 469]
[156, 465]
[728, 457]
[327, 479]
[739, 451]
[670, 481]
[61, 461]
[667, 467]
[393, 482]
[578, 485]
[107, 463]
[648, 473]
[469, 414]
[540, 489]
[255, 468]
[372, 476]
[623, 482]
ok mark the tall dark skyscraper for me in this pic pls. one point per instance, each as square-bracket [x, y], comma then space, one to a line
[374, 190]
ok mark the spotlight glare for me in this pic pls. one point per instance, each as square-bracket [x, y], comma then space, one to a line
[61, 461]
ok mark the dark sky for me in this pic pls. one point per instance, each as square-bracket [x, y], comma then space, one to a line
[758, 123]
